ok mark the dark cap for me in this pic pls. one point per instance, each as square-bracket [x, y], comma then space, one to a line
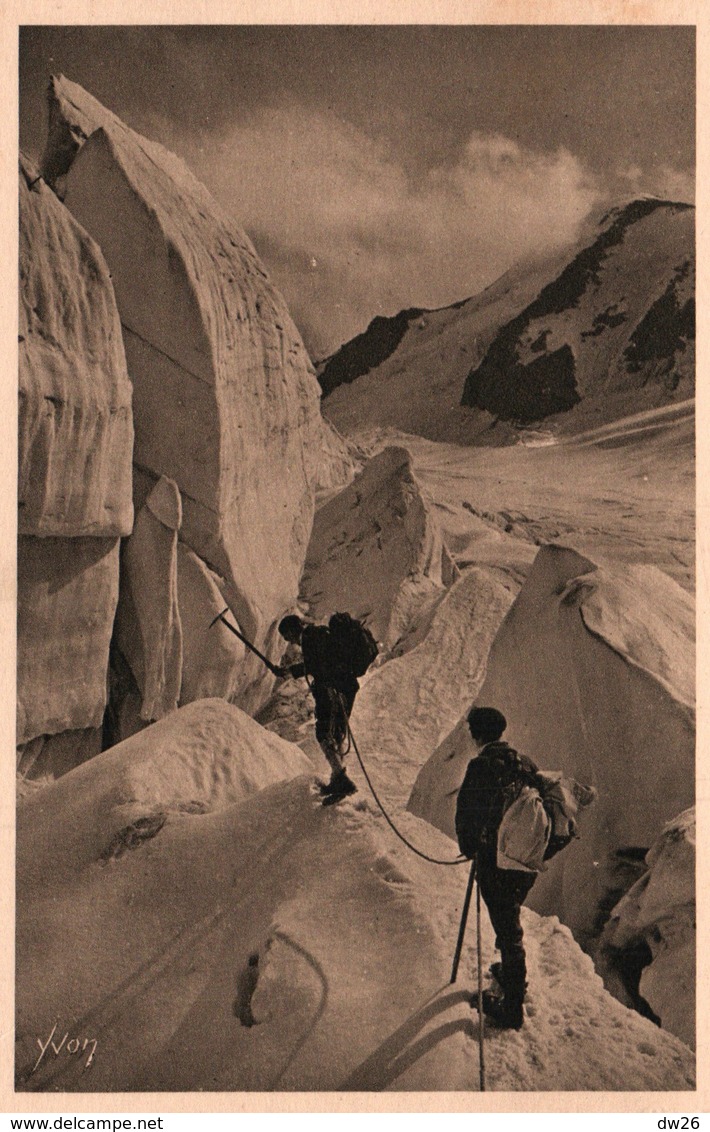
[290, 626]
[486, 724]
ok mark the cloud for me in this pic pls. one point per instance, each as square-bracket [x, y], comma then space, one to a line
[348, 234]
[664, 181]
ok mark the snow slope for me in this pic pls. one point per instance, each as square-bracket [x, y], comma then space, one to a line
[263, 945]
[626, 490]
[277, 945]
[208, 754]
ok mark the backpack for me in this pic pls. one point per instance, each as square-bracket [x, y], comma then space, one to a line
[353, 644]
[316, 648]
[524, 833]
[539, 819]
[562, 798]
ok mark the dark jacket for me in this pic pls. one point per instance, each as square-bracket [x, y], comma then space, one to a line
[482, 798]
[323, 662]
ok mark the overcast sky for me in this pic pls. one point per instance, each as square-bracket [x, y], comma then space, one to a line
[377, 168]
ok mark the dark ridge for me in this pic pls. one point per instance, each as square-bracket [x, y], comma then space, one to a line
[246, 986]
[497, 384]
[64, 140]
[373, 347]
[540, 342]
[366, 350]
[634, 853]
[606, 320]
[526, 393]
[121, 684]
[663, 332]
[29, 171]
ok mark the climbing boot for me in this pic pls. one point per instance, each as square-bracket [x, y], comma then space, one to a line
[339, 787]
[339, 784]
[505, 1012]
[496, 969]
[324, 788]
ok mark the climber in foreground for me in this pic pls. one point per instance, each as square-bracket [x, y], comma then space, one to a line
[482, 801]
[334, 655]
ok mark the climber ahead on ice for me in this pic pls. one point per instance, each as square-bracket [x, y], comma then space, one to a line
[482, 801]
[334, 655]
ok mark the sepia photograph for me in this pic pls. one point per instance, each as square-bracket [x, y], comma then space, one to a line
[356, 529]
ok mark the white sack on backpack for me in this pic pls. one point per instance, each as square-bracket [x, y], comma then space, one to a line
[564, 798]
[524, 833]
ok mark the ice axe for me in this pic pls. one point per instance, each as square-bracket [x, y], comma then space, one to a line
[479, 961]
[464, 918]
[265, 660]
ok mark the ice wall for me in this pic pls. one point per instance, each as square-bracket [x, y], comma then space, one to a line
[659, 911]
[75, 451]
[593, 669]
[225, 400]
[377, 550]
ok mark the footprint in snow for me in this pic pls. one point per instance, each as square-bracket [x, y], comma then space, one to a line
[246, 986]
[132, 836]
[647, 1048]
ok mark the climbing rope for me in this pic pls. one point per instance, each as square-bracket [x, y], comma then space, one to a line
[460, 860]
[336, 736]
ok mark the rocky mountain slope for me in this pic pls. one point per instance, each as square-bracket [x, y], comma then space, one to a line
[605, 330]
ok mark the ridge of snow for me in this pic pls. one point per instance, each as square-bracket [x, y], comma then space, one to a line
[267, 945]
[376, 550]
[208, 755]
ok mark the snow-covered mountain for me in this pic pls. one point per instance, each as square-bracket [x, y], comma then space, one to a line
[597, 333]
[188, 915]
